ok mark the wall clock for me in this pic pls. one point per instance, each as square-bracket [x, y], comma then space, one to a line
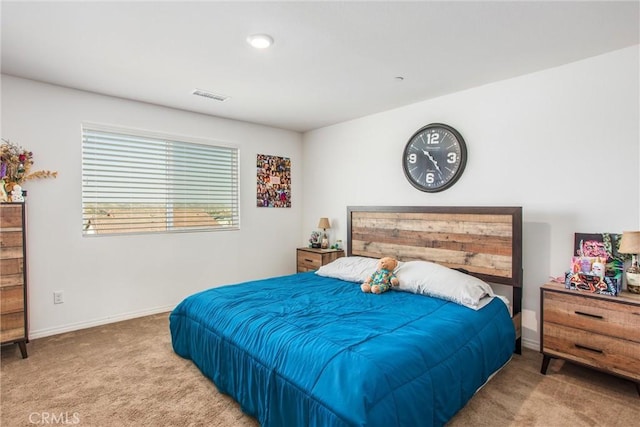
[434, 158]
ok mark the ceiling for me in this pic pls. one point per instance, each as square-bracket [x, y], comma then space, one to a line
[331, 61]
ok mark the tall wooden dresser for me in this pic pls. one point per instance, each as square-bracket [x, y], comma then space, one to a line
[13, 276]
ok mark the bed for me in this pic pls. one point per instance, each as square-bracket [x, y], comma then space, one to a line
[311, 349]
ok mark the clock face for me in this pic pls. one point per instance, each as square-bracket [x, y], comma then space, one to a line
[434, 158]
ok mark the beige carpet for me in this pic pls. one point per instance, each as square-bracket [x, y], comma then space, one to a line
[126, 374]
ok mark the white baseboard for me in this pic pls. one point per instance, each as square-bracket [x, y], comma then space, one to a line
[41, 333]
[531, 344]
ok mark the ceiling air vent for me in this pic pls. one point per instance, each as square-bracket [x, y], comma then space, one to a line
[211, 95]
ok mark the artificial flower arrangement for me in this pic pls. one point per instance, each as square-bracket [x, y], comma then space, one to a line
[15, 166]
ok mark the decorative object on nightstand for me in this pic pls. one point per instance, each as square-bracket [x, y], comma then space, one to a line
[596, 266]
[324, 224]
[630, 244]
[314, 240]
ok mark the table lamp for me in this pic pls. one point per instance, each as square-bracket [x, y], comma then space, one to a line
[630, 244]
[324, 224]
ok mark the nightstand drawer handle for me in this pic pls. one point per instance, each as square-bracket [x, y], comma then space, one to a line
[589, 315]
[308, 260]
[584, 347]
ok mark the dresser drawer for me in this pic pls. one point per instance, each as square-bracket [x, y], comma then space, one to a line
[12, 326]
[11, 216]
[308, 261]
[609, 354]
[11, 252]
[592, 314]
[11, 239]
[11, 280]
[12, 266]
[11, 299]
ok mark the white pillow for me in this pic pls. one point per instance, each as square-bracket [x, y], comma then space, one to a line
[427, 278]
[351, 269]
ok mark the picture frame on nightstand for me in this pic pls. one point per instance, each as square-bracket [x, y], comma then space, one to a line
[593, 250]
[604, 245]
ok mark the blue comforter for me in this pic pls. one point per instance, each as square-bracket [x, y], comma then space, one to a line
[305, 350]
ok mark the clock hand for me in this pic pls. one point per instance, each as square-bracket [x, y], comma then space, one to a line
[432, 160]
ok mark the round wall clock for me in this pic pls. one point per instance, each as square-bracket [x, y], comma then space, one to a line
[434, 158]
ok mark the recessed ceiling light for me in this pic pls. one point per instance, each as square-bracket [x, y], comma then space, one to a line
[260, 41]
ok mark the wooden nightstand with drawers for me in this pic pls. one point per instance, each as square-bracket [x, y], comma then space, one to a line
[309, 259]
[598, 331]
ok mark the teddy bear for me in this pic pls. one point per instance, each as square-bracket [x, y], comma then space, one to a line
[383, 278]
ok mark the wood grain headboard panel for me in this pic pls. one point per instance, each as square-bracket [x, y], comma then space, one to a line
[484, 241]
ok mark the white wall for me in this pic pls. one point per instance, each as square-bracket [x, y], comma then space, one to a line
[112, 278]
[562, 143]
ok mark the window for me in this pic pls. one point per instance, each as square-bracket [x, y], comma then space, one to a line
[144, 183]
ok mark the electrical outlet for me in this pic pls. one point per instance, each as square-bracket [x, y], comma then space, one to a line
[58, 297]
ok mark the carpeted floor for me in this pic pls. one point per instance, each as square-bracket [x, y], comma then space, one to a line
[126, 374]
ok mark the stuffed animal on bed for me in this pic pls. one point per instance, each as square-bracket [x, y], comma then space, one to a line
[383, 278]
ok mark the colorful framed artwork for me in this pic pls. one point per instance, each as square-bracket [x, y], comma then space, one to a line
[596, 264]
[273, 186]
[602, 245]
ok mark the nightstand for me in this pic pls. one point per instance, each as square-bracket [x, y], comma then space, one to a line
[598, 331]
[309, 259]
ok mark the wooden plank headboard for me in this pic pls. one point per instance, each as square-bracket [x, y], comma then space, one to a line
[486, 242]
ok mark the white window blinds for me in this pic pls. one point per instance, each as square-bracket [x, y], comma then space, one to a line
[133, 183]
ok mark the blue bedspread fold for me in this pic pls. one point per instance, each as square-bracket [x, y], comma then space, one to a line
[305, 350]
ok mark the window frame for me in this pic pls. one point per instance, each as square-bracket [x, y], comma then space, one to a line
[168, 139]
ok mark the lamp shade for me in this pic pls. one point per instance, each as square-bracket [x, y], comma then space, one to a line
[324, 223]
[630, 243]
